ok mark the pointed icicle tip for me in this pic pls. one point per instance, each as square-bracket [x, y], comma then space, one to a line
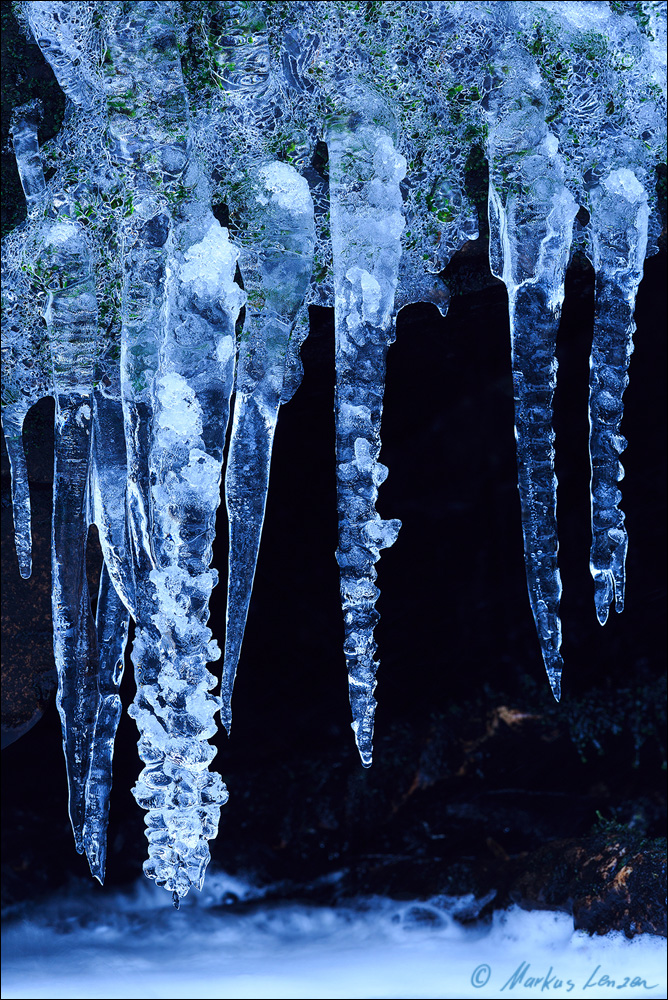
[226, 718]
[364, 741]
[554, 677]
[96, 862]
[176, 900]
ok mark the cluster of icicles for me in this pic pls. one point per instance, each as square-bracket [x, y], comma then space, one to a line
[142, 413]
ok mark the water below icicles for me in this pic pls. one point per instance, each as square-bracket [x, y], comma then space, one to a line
[231, 941]
[127, 300]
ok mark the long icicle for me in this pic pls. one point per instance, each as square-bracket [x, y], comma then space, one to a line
[531, 216]
[619, 221]
[12, 426]
[367, 221]
[23, 128]
[276, 271]
[116, 599]
[177, 358]
[71, 317]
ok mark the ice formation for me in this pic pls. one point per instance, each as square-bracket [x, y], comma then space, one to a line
[123, 296]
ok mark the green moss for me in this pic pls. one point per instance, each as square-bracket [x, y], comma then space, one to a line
[476, 176]
[592, 44]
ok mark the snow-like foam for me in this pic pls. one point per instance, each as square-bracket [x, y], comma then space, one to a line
[136, 945]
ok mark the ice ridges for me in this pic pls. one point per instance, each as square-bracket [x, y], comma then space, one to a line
[121, 300]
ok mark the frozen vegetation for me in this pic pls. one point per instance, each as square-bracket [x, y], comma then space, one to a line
[127, 300]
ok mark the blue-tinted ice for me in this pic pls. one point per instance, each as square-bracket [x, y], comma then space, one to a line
[220, 168]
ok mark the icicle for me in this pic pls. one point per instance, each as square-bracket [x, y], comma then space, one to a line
[619, 221]
[115, 599]
[531, 218]
[173, 708]
[12, 426]
[177, 360]
[23, 127]
[276, 269]
[365, 172]
[133, 173]
[71, 318]
[112, 622]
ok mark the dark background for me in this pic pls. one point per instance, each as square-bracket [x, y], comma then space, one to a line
[475, 765]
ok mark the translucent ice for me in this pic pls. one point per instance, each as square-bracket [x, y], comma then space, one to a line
[276, 265]
[531, 215]
[619, 244]
[315, 154]
[367, 222]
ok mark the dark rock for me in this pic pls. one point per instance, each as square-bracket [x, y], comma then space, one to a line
[608, 882]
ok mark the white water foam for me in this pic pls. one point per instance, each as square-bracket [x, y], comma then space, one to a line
[92, 944]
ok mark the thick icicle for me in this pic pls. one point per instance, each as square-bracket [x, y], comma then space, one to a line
[619, 219]
[177, 360]
[531, 216]
[173, 707]
[59, 29]
[71, 317]
[276, 270]
[367, 221]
